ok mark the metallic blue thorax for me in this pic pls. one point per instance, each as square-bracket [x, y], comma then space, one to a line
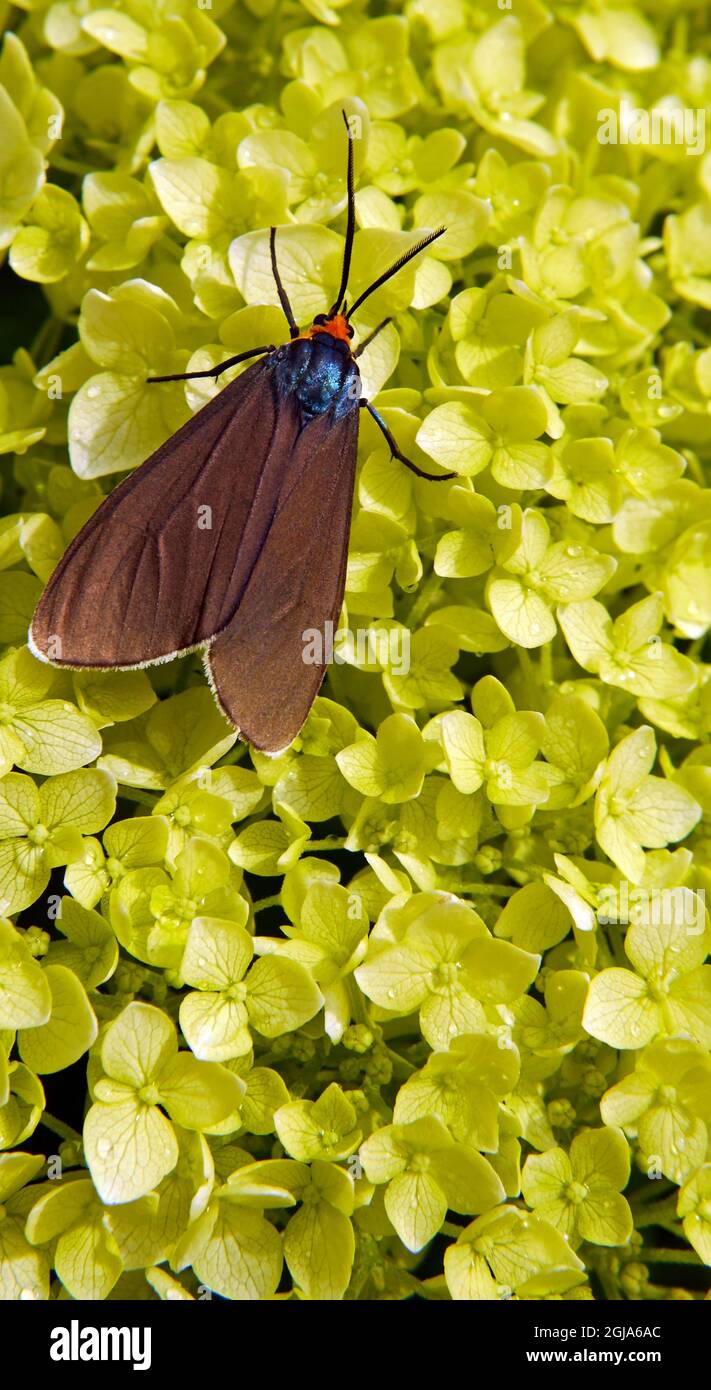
[322, 374]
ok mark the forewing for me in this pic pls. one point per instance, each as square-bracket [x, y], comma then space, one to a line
[160, 566]
[259, 666]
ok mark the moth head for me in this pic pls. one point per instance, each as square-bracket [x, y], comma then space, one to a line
[335, 324]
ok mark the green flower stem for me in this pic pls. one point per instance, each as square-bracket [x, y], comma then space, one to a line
[653, 1193]
[235, 755]
[534, 871]
[528, 670]
[545, 664]
[598, 1260]
[47, 341]
[427, 595]
[360, 1008]
[609, 1284]
[401, 1067]
[669, 1257]
[487, 890]
[658, 1214]
[537, 675]
[141, 798]
[695, 649]
[614, 938]
[263, 903]
[336, 684]
[186, 668]
[332, 842]
[71, 166]
[695, 469]
[58, 1127]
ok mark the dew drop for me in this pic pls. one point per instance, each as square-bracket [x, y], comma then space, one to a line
[93, 392]
[104, 1148]
[391, 994]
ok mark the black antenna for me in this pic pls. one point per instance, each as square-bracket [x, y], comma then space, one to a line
[283, 296]
[388, 274]
[350, 228]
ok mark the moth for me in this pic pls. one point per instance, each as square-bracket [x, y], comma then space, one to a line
[273, 456]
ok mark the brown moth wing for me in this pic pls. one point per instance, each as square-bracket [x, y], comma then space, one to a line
[161, 565]
[256, 665]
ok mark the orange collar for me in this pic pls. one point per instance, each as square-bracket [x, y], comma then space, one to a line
[337, 327]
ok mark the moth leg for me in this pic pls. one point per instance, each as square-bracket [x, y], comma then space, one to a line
[367, 341]
[395, 452]
[213, 371]
[283, 296]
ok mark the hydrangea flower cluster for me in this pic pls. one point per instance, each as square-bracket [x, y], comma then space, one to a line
[420, 1006]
